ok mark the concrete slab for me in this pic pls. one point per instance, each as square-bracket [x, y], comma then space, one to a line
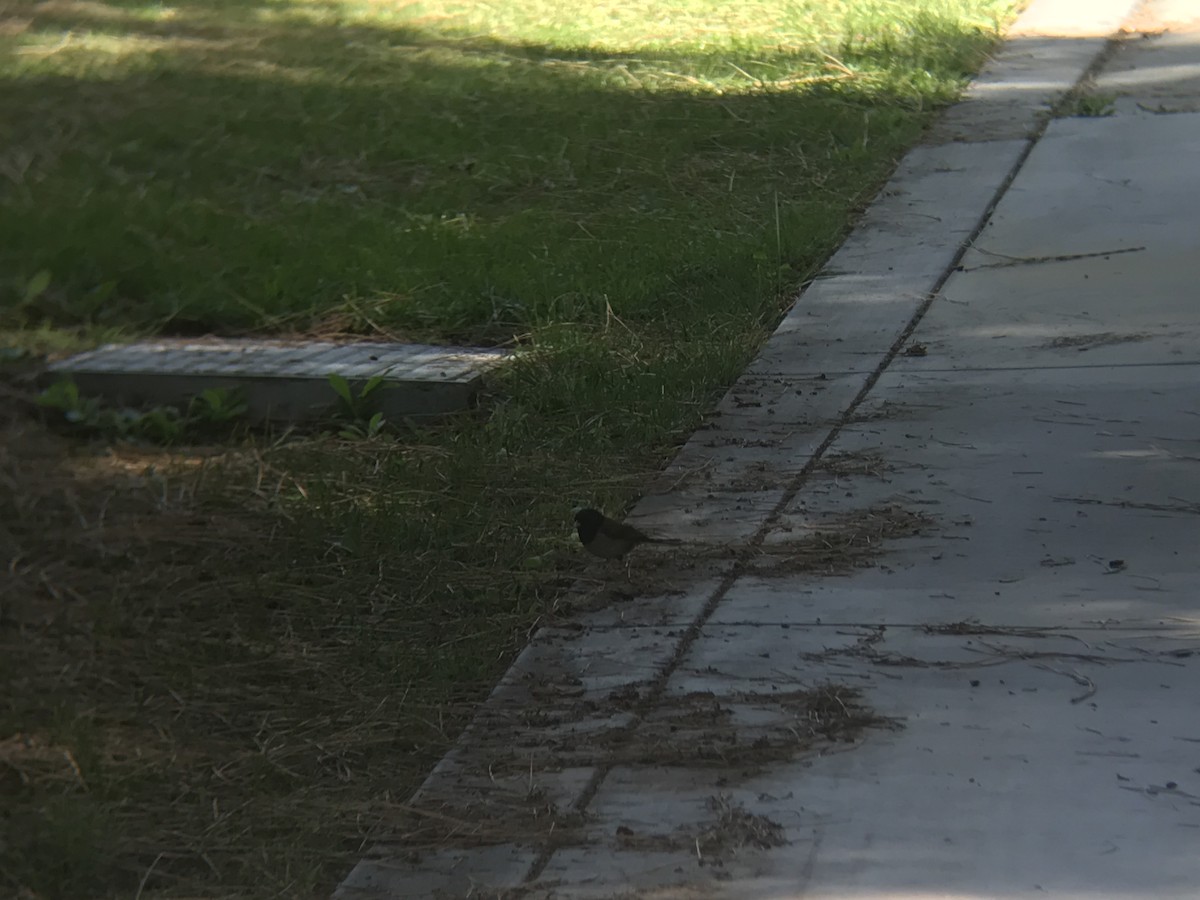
[1084, 255]
[993, 725]
[1096, 186]
[1156, 68]
[282, 380]
[1018, 772]
[1035, 480]
[1041, 642]
[1084, 312]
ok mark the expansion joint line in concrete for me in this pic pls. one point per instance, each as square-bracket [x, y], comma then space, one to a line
[655, 688]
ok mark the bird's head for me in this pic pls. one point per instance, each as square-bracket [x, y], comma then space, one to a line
[588, 521]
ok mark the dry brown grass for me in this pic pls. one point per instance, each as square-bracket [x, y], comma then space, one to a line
[503, 780]
[202, 683]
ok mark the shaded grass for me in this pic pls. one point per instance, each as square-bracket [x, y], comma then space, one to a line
[201, 674]
[227, 642]
[225, 666]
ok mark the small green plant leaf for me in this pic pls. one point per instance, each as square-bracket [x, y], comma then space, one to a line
[162, 425]
[62, 395]
[342, 388]
[370, 387]
[1093, 106]
[217, 406]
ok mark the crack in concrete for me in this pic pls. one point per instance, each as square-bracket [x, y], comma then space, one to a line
[1037, 260]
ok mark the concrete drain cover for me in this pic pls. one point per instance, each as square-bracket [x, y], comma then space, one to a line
[282, 380]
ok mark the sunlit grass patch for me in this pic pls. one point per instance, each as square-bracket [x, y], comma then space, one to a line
[472, 163]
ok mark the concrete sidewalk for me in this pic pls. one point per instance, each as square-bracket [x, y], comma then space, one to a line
[939, 634]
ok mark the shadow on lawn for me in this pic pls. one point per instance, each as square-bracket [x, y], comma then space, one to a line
[208, 677]
[234, 168]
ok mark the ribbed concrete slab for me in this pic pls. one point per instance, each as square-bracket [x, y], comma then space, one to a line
[282, 380]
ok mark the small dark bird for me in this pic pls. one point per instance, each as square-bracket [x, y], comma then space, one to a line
[608, 539]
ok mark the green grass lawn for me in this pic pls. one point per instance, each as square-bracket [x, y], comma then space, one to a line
[468, 171]
[225, 666]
